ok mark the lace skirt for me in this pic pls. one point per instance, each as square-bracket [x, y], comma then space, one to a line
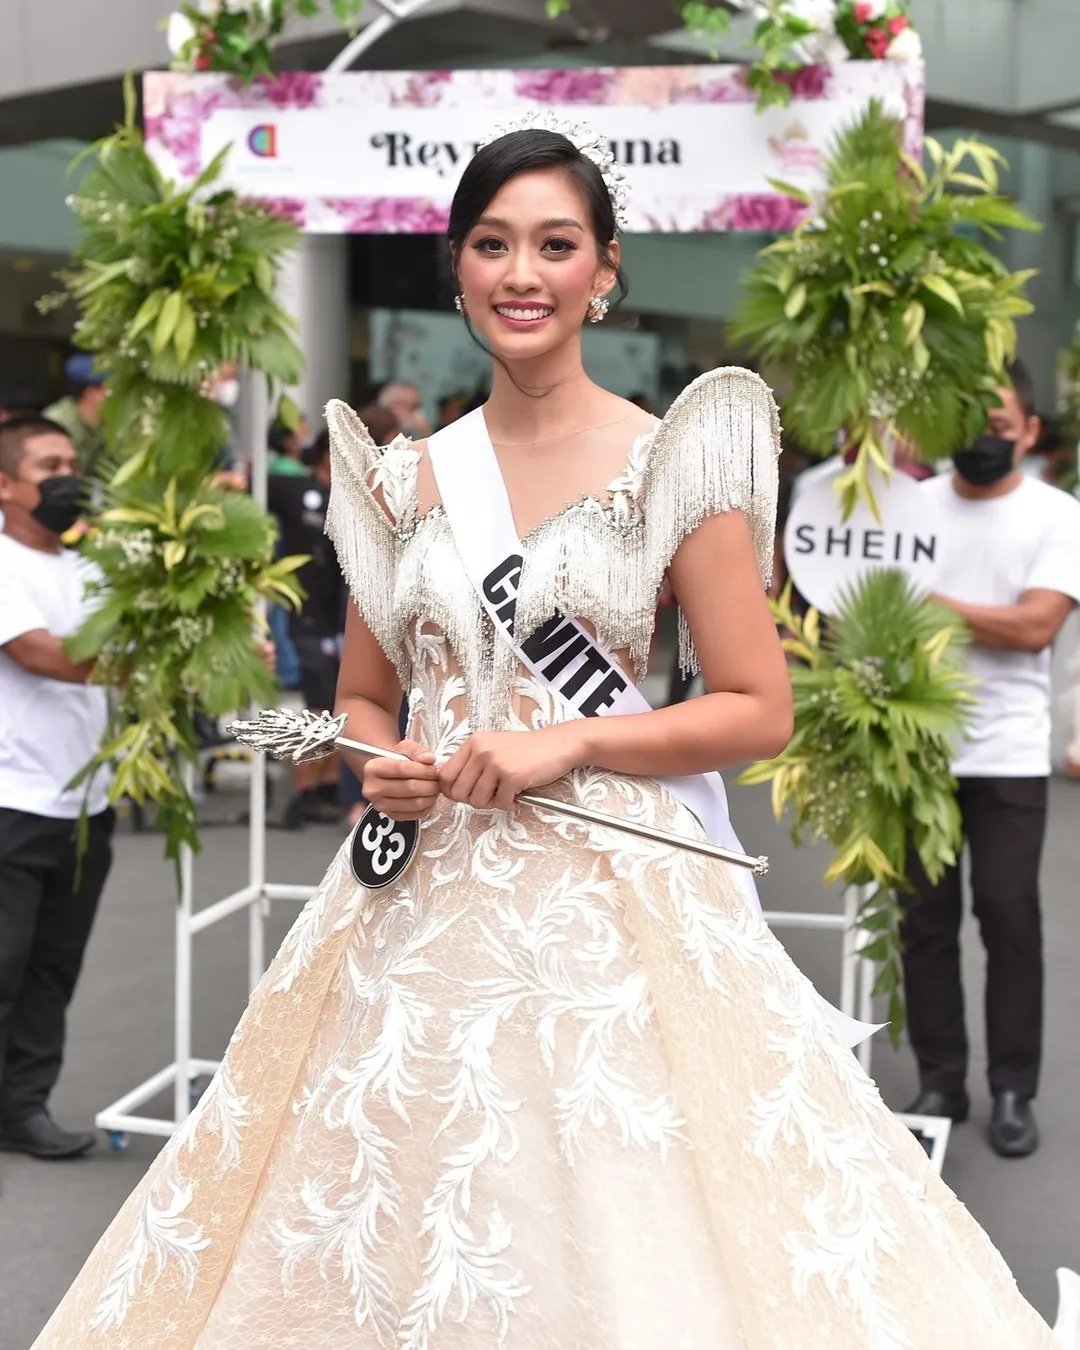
[556, 1088]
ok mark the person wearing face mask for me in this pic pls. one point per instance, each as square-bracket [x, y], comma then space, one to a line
[51, 723]
[1011, 570]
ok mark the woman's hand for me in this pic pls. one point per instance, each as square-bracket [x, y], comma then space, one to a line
[493, 768]
[403, 791]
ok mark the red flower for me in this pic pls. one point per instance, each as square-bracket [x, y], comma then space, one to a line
[877, 43]
[864, 11]
[897, 25]
[204, 61]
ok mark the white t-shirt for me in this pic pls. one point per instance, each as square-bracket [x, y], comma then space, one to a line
[48, 728]
[994, 551]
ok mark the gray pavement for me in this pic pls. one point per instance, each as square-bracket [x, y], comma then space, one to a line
[121, 1025]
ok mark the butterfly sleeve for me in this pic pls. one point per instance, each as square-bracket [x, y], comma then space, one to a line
[365, 505]
[716, 450]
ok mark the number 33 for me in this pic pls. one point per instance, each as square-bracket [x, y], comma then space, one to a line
[383, 858]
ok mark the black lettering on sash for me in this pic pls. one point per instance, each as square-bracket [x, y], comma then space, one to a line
[593, 664]
[568, 654]
[501, 587]
[557, 642]
[549, 638]
[614, 682]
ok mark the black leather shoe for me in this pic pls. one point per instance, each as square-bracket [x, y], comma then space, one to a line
[41, 1137]
[954, 1105]
[1013, 1132]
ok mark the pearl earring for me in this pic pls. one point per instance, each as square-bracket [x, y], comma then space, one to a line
[598, 308]
[459, 303]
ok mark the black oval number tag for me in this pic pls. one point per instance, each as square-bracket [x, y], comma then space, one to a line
[382, 848]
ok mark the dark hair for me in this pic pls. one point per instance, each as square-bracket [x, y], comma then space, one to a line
[313, 455]
[279, 437]
[14, 434]
[521, 152]
[381, 423]
[1022, 383]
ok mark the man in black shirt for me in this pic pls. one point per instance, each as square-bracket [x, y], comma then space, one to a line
[299, 503]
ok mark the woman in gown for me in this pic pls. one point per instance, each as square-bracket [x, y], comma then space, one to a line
[556, 1088]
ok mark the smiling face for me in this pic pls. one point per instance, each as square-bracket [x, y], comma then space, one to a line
[530, 265]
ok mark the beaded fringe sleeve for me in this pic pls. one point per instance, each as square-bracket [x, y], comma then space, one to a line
[715, 451]
[361, 530]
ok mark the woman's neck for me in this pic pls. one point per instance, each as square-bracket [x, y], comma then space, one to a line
[543, 399]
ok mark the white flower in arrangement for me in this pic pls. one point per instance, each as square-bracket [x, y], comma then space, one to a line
[179, 32]
[905, 46]
[823, 47]
[821, 13]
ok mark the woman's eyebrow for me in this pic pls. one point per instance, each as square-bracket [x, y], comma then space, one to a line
[557, 223]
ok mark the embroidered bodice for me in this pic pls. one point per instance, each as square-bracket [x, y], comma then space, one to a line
[601, 559]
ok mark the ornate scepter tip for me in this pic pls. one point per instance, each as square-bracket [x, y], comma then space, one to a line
[301, 737]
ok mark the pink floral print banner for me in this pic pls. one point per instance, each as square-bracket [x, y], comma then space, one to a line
[379, 152]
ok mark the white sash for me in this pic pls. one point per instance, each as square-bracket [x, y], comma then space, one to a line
[562, 655]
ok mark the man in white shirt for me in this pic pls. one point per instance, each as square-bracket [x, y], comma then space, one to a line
[51, 723]
[1011, 570]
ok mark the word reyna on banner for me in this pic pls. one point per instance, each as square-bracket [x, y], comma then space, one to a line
[382, 151]
[826, 554]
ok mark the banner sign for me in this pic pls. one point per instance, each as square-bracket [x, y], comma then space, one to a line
[376, 152]
[826, 554]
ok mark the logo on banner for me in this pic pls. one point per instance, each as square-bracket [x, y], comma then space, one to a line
[263, 141]
[826, 554]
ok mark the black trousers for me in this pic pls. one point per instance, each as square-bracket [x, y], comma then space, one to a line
[1004, 825]
[45, 923]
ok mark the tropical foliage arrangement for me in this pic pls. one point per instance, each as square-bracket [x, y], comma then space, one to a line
[171, 284]
[238, 36]
[890, 318]
[791, 34]
[879, 703]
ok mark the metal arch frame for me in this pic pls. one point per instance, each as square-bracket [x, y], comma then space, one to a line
[394, 12]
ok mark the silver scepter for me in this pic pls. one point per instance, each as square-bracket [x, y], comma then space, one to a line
[305, 736]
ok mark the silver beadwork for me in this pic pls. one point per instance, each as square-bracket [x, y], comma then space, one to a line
[459, 303]
[584, 139]
[598, 308]
[602, 560]
[299, 736]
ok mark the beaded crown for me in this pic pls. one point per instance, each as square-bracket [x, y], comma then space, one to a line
[584, 139]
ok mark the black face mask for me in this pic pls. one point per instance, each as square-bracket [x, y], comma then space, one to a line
[986, 461]
[61, 502]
